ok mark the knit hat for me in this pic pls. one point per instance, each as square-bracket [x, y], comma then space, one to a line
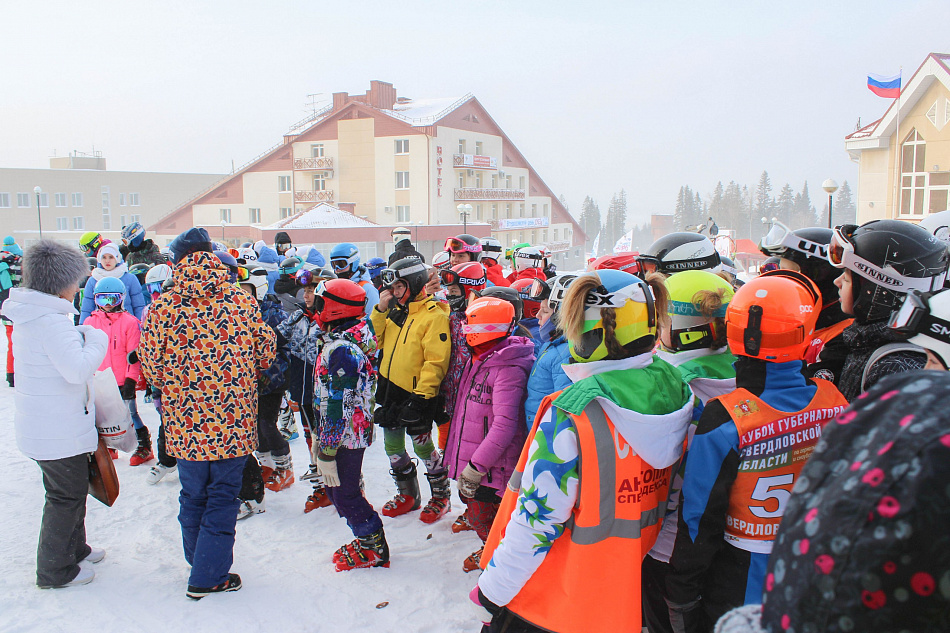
[8, 240]
[191, 241]
[112, 249]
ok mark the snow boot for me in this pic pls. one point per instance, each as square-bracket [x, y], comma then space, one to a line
[10, 379]
[158, 472]
[250, 507]
[283, 475]
[441, 501]
[233, 583]
[461, 524]
[407, 496]
[367, 551]
[471, 563]
[286, 422]
[318, 499]
[144, 452]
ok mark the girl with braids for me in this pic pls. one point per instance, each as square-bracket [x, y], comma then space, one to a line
[568, 556]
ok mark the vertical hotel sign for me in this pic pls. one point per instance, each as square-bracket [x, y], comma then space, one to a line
[438, 169]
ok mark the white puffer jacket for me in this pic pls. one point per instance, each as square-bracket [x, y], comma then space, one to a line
[54, 362]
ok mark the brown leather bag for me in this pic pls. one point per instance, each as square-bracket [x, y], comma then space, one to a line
[103, 480]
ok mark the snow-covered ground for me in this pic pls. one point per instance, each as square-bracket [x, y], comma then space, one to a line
[283, 557]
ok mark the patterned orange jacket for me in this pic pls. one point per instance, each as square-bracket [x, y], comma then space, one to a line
[203, 344]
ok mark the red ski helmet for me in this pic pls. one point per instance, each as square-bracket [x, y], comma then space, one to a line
[531, 305]
[336, 299]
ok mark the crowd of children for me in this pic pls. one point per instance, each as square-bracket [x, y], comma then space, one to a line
[661, 375]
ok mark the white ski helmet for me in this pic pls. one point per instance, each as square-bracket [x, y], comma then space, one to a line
[681, 251]
[491, 248]
[247, 254]
[528, 257]
[938, 225]
[159, 273]
[257, 278]
[441, 260]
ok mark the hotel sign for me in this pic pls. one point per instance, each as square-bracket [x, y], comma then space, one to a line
[522, 223]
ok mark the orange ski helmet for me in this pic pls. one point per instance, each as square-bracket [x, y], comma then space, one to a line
[488, 319]
[627, 262]
[773, 316]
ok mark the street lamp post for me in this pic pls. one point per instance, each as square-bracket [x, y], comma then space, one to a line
[830, 186]
[464, 211]
[39, 218]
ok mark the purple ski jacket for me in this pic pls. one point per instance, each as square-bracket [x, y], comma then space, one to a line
[488, 427]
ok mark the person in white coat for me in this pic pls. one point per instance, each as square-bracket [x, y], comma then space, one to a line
[55, 417]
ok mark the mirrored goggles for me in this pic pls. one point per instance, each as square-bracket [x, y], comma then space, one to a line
[340, 264]
[914, 317]
[243, 274]
[155, 287]
[388, 276]
[305, 277]
[539, 290]
[109, 299]
[841, 254]
[455, 245]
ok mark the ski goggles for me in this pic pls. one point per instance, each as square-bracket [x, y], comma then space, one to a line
[452, 278]
[914, 317]
[243, 274]
[306, 278]
[455, 245]
[539, 290]
[341, 263]
[768, 267]
[841, 254]
[109, 299]
[781, 238]
[155, 287]
[559, 289]
[90, 248]
[390, 276]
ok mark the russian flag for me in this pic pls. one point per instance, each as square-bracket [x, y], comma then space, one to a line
[889, 87]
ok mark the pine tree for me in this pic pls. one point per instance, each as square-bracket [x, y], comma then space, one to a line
[763, 197]
[716, 208]
[784, 205]
[590, 220]
[844, 211]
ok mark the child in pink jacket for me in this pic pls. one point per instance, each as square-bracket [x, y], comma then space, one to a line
[123, 331]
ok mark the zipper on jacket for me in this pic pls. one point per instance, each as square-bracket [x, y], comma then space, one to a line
[406, 336]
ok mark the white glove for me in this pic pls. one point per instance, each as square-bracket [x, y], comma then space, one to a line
[469, 481]
[327, 470]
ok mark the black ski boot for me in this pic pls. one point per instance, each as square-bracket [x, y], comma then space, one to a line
[365, 551]
[441, 501]
[407, 496]
[144, 452]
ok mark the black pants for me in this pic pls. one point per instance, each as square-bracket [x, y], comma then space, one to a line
[656, 615]
[62, 542]
[508, 622]
[163, 457]
[268, 436]
[252, 481]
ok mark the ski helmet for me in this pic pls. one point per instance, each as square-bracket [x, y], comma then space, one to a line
[491, 248]
[409, 270]
[681, 251]
[626, 262]
[528, 257]
[156, 278]
[469, 276]
[374, 266]
[887, 258]
[773, 316]
[140, 271]
[247, 254]
[89, 242]
[808, 249]
[488, 319]
[927, 317]
[938, 224]
[313, 276]
[400, 233]
[336, 299]
[442, 260]
[531, 305]
[728, 267]
[634, 314]
[109, 291]
[290, 266]
[770, 264]
[229, 262]
[282, 243]
[692, 326]
[133, 234]
[464, 243]
[256, 279]
[507, 294]
[345, 259]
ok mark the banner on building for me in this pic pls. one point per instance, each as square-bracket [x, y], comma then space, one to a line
[522, 223]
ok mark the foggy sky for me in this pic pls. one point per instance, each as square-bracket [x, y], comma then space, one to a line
[598, 96]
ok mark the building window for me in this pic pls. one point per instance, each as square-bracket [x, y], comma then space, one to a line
[545, 211]
[555, 234]
[508, 211]
[23, 200]
[402, 213]
[402, 146]
[507, 182]
[79, 223]
[44, 200]
[939, 189]
[135, 218]
[134, 199]
[285, 212]
[913, 174]
[402, 180]
[283, 183]
[122, 221]
[534, 210]
[494, 212]
[478, 179]
[316, 151]
[225, 215]
[77, 199]
[4, 200]
[478, 212]
[461, 146]
[320, 181]
[544, 235]
[59, 199]
[494, 181]
[106, 209]
[254, 216]
[461, 180]
[62, 224]
[521, 209]
[478, 147]
[121, 199]
[521, 182]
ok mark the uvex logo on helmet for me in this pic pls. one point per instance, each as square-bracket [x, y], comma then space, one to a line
[877, 275]
[598, 300]
[812, 248]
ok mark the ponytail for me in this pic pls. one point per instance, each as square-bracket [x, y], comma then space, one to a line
[661, 297]
[571, 317]
[709, 302]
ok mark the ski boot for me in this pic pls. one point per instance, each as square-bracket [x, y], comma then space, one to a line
[144, 452]
[441, 501]
[471, 563]
[461, 524]
[364, 552]
[249, 507]
[10, 379]
[407, 496]
[283, 474]
[158, 472]
[286, 422]
[317, 499]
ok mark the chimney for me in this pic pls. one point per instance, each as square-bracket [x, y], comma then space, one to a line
[340, 99]
[382, 95]
[349, 207]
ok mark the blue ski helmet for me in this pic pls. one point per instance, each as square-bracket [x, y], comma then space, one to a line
[375, 266]
[345, 259]
[133, 234]
[228, 260]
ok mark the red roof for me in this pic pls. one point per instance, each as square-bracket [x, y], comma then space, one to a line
[747, 246]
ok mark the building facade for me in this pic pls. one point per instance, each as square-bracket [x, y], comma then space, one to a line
[394, 162]
[904, 157]
[79, 194]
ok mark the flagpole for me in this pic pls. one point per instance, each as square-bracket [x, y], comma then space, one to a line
[899, 149]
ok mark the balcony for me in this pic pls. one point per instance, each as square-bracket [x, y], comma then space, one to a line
[314, 196]
[468, 193]
[323, 163]
[473, 161]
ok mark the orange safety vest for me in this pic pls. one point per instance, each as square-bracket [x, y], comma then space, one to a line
[590, 578]
[773, 448]
[822, 336]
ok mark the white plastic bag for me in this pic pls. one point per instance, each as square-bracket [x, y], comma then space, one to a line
[113, 419]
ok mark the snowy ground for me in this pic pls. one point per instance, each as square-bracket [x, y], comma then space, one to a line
[283, 557]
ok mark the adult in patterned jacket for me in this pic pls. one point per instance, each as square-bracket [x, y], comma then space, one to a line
[204, 344]
[748, 449]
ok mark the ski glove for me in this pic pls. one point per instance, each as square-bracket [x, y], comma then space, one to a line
[127, 390]
[410, 414]
[469, 481]
[327, 467]
[133, 357]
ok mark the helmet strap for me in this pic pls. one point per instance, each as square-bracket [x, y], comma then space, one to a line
[752, 335]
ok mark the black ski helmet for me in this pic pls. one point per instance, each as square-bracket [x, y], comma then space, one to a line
[894, 246]
[411, 270]
[507, 294]
[681, 251]
[808, 249]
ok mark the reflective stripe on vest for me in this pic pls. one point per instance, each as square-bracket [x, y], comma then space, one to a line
[773, 447]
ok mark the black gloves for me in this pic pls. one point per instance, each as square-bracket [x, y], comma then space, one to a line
[133, 357]
[411, 412]
[127, 390]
